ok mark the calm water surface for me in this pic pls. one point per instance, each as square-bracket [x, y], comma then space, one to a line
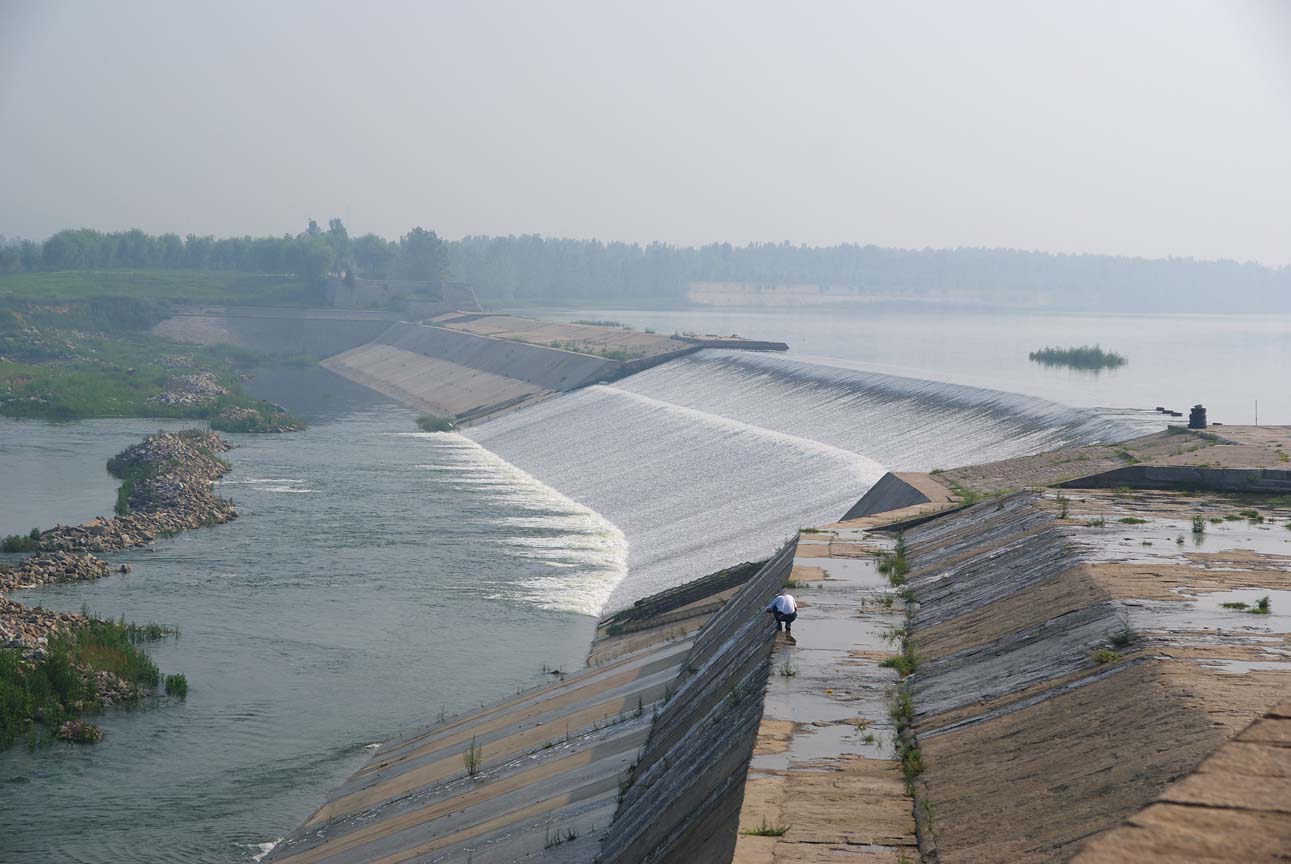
[375, 577]
[1226, 362]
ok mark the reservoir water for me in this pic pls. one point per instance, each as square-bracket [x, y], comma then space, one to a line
[378, 576]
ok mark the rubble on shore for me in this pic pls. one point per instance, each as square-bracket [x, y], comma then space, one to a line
[198, 388]
[168, 477]
[235, 418]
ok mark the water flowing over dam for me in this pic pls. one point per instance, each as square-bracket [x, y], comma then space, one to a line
[713, 458]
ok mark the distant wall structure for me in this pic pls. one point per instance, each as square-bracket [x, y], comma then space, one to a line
[1269, 481]
[277, 331]
[464, 376]
[419, 299]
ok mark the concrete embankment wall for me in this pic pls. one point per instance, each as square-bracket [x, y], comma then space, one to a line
[684, 800]
[1062, 684]
[660, 735]
[283, 332]
[1269, 481]
[462, 375]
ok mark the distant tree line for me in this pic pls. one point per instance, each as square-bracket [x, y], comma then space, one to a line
[312, 254]
[531, 268]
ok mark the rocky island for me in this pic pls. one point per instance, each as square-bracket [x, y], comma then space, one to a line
[58, 665]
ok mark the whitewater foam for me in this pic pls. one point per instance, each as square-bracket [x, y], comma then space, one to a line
[589, 551]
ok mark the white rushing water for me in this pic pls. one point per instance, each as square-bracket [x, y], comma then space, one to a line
[586, 553]
[716, 458]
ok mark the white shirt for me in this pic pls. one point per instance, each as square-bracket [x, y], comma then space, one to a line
[784, 604]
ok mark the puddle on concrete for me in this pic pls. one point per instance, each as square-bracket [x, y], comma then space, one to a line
[851, 572]
[1204, 612]
[1241, 667]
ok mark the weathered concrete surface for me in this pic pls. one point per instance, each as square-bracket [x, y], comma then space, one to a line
[1235, 807]
[896, 491]
[551, 763]
[685, 792]
[1032, 740]
[462, 375]
[824, 768]
[1268, 481]
[312, 332]
[586, 338]
[670, 614]
[656, 721]
[1068, 463]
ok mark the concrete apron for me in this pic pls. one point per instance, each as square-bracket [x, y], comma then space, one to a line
[824, 768]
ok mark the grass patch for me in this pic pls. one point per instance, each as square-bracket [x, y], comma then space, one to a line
[1088, 357]
[177, 685]
[797, 584]
[766, 829]
[1123, 637]
[1263, 606]
[904, 663]
[1103, 656]
[473, 758]
[49, 691]
[1237, 605]
[1199, 524]
[182, 286]
[431, 423]
[893, 564]
[21, 542]
[1132, 520]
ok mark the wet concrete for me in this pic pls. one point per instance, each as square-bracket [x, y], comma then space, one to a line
[826, 723]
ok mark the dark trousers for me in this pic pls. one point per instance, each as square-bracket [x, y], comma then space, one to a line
[786, 620]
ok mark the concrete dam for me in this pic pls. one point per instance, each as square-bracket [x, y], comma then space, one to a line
[1028, 616]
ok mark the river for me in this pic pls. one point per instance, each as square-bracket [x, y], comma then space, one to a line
[379, 575]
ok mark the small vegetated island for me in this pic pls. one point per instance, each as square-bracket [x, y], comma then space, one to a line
[56, 667]
[1088, 357]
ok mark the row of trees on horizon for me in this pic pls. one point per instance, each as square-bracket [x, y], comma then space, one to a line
[532, 268]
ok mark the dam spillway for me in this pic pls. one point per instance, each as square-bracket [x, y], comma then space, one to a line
[714, 458]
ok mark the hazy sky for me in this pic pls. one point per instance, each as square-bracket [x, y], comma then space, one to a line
[1148, 128]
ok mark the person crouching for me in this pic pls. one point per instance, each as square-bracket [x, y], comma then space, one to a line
[785, 610]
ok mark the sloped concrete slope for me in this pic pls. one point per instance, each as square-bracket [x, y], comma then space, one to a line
[462, 375]
[683, 796]
[1075, 658]
[897, 491]
[550, 764]
[666, 729]
[1235, 807]
[313, 332]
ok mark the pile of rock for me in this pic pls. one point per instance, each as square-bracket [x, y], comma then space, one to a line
[47, 568]
[235, 418]
[29, 627]
[175, 361]
[199, 388]
[170, 475]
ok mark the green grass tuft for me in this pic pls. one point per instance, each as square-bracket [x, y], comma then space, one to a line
[431, 423]
[766, 829]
